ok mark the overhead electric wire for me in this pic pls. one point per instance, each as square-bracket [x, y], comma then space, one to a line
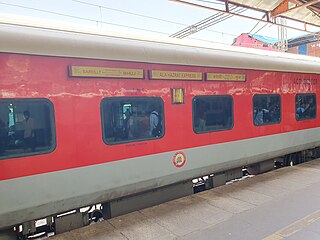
[254, 26]
[110, 23]
[145, 16]
[208, 22]
[97, 21]
[188, 29]
[126, 12]
[81, 18]
[257, 25]
[125, 26]
[261, 28]
[46, 11]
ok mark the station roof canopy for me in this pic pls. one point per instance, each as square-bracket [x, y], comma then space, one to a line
[306, 12]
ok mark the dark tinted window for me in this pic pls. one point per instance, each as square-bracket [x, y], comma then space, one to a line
[306, 106]
[212, 113]
[266, 109]
[26, 127]
[132, 119]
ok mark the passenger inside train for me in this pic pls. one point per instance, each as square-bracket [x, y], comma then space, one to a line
[212, 113]
[28, 132]
[132, 119]
[155, 122]
[25, 132]
[305, 106]
[266, 109]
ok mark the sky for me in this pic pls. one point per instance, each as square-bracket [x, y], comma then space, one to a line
[143, 17]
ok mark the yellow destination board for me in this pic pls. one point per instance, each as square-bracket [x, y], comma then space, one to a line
[174, 75]
[226, 77]
[83, 71]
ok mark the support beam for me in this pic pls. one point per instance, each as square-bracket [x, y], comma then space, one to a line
[252, 18]
[239, 5]
[283, 7]
[311, 8]
[227, 6]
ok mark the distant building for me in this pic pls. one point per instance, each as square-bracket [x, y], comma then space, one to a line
[306, 45]
[256, 41]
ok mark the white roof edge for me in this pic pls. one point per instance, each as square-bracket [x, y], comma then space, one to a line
[31, 22]
[52, 39]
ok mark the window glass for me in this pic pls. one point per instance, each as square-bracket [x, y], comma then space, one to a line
[306, 106]
[132, 119]
[212, 113]
[26, 127]
[266, 109]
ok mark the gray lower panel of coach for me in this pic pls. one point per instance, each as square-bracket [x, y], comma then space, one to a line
[34, 197]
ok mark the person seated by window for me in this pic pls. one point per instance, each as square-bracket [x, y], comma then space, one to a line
[155, 122]
[134, 126]
[144, 125]
[301, 109]
[274, 113]
[259, 115]
[28, 134]
[3, 136]
[310, 110]
[277, 113]
[202, 114]
[126, 124]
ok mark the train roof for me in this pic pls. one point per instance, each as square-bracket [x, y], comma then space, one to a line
[45, 38]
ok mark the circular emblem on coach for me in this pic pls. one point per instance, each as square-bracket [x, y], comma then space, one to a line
[179, 159]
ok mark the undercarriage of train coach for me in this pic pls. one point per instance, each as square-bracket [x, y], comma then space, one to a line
[78, 218]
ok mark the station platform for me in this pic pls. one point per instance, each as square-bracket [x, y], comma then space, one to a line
[281, 204]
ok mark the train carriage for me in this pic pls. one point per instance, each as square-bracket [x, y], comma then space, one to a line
[76, 110]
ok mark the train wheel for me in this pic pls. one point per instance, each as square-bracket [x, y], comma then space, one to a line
[295, 158]
[291, 160]
[96, 215]
[287, 160]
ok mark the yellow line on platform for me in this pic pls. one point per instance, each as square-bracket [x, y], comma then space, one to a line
[273, 237]
[294, 227]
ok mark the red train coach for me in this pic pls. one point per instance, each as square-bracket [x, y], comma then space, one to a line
[89, 118]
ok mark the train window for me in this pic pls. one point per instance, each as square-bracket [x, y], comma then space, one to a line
[127, 119]
[266, 109]
[212, 113]
[306, 106]
[26, 127]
